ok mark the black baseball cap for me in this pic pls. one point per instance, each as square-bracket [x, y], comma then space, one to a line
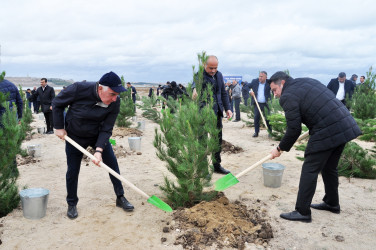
[113, 81]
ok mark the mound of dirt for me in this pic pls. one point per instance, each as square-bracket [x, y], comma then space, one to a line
[118, 131]
[221, 223]
[26, 160]
[227, 147]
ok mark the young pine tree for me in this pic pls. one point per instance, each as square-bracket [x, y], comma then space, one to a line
[187, 141]
[127, 108]
[149, 108]
[9, 147]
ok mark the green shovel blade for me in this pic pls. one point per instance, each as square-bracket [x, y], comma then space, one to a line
[113, 142]
[225, 182]
[154, 200]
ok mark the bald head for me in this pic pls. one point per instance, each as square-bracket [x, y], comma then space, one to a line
[211, 65]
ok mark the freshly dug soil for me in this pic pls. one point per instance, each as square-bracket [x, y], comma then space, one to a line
[26, 160]
[227, 147]
[117, 131]
[221, 223]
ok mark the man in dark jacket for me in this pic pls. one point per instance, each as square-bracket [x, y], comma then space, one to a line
[36, 101]
[261, 91]
[330, 125]
[46, 94]
[341, 87]
[14, 97]
[151, 92]
[134, 91]
[93, 108]
[214, 78]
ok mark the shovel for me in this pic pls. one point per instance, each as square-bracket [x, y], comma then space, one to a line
[258, 106]
[230, 180]
[154, 200]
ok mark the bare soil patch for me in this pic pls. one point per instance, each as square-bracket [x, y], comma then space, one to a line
[229, 148]
[221, 223]
[126, 132]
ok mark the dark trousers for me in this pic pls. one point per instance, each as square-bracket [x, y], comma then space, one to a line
[237, 108]
[217, 155]
[326, 162]
[36, 105]
[74, 157]
[49, 121]
[246, 100]
[257, 117]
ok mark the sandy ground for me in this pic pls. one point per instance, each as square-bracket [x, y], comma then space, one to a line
[101, 225]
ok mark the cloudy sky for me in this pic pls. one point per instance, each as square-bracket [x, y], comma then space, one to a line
[157, 41]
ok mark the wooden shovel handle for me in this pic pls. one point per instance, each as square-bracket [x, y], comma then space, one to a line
[262, 116]
[105, 167]
[268, 157]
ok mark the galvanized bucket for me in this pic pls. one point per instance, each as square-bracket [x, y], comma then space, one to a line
[272, 173]
[34, 202]
[35, 150]
[141, 125]
[41, 130]
[134, 143]
[134, 118]
[41, 117]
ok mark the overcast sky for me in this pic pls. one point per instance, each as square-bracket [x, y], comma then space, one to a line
[158, 41]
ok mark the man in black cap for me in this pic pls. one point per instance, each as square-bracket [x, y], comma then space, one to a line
[330, 125]
[342, 88]
[93, 108]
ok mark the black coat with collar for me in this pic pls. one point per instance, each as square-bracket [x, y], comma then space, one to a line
[45, 97]
[254, 86]
[308, 101]
[333, 85]
[220, 96]
[85, 119]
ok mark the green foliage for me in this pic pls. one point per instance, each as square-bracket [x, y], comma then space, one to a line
[368, 128]
[363, 101]
[127, 108]
[27, 117]
[301, 147]
[149, 108]
[355, 162]
[278, 124]
[187, 141]
[10, 134]
[2, 76]
[300, 158]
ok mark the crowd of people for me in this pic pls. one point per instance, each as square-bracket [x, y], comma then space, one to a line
[94, 106]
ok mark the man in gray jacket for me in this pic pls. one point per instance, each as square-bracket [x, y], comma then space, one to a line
[236, 98]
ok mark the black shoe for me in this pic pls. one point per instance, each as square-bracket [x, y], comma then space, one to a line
[122, 202]
[296, 216]
[220, 170]
[50, 132]
[324, 206]
[255, 135]
[72, 212]
[236, 121]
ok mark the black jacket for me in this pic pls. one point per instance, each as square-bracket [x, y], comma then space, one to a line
[220, 96]
[333, 85]
[254, 86]
[45, 97]
[85, 119]
[307, 101]
[14, 97]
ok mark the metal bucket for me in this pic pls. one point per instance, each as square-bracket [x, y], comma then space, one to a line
[41, 130]
[41, 117]
[272, 173]
[134, 143]
[34, 202]
[34, 150]
[141, 125]
[134, 118]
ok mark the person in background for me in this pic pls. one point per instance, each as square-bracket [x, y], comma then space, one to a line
[7, 87]
[35, 101]
[159, 90]
[151, 92]
[133, 91]
[46, 94]
[261, 91]
[212, 77]
[228, 89]
[354, 78]
[245, 92]
[237, 97]
[28, 94]
[93, 109]
[331, 126]
[362, 79]
[342, 88]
